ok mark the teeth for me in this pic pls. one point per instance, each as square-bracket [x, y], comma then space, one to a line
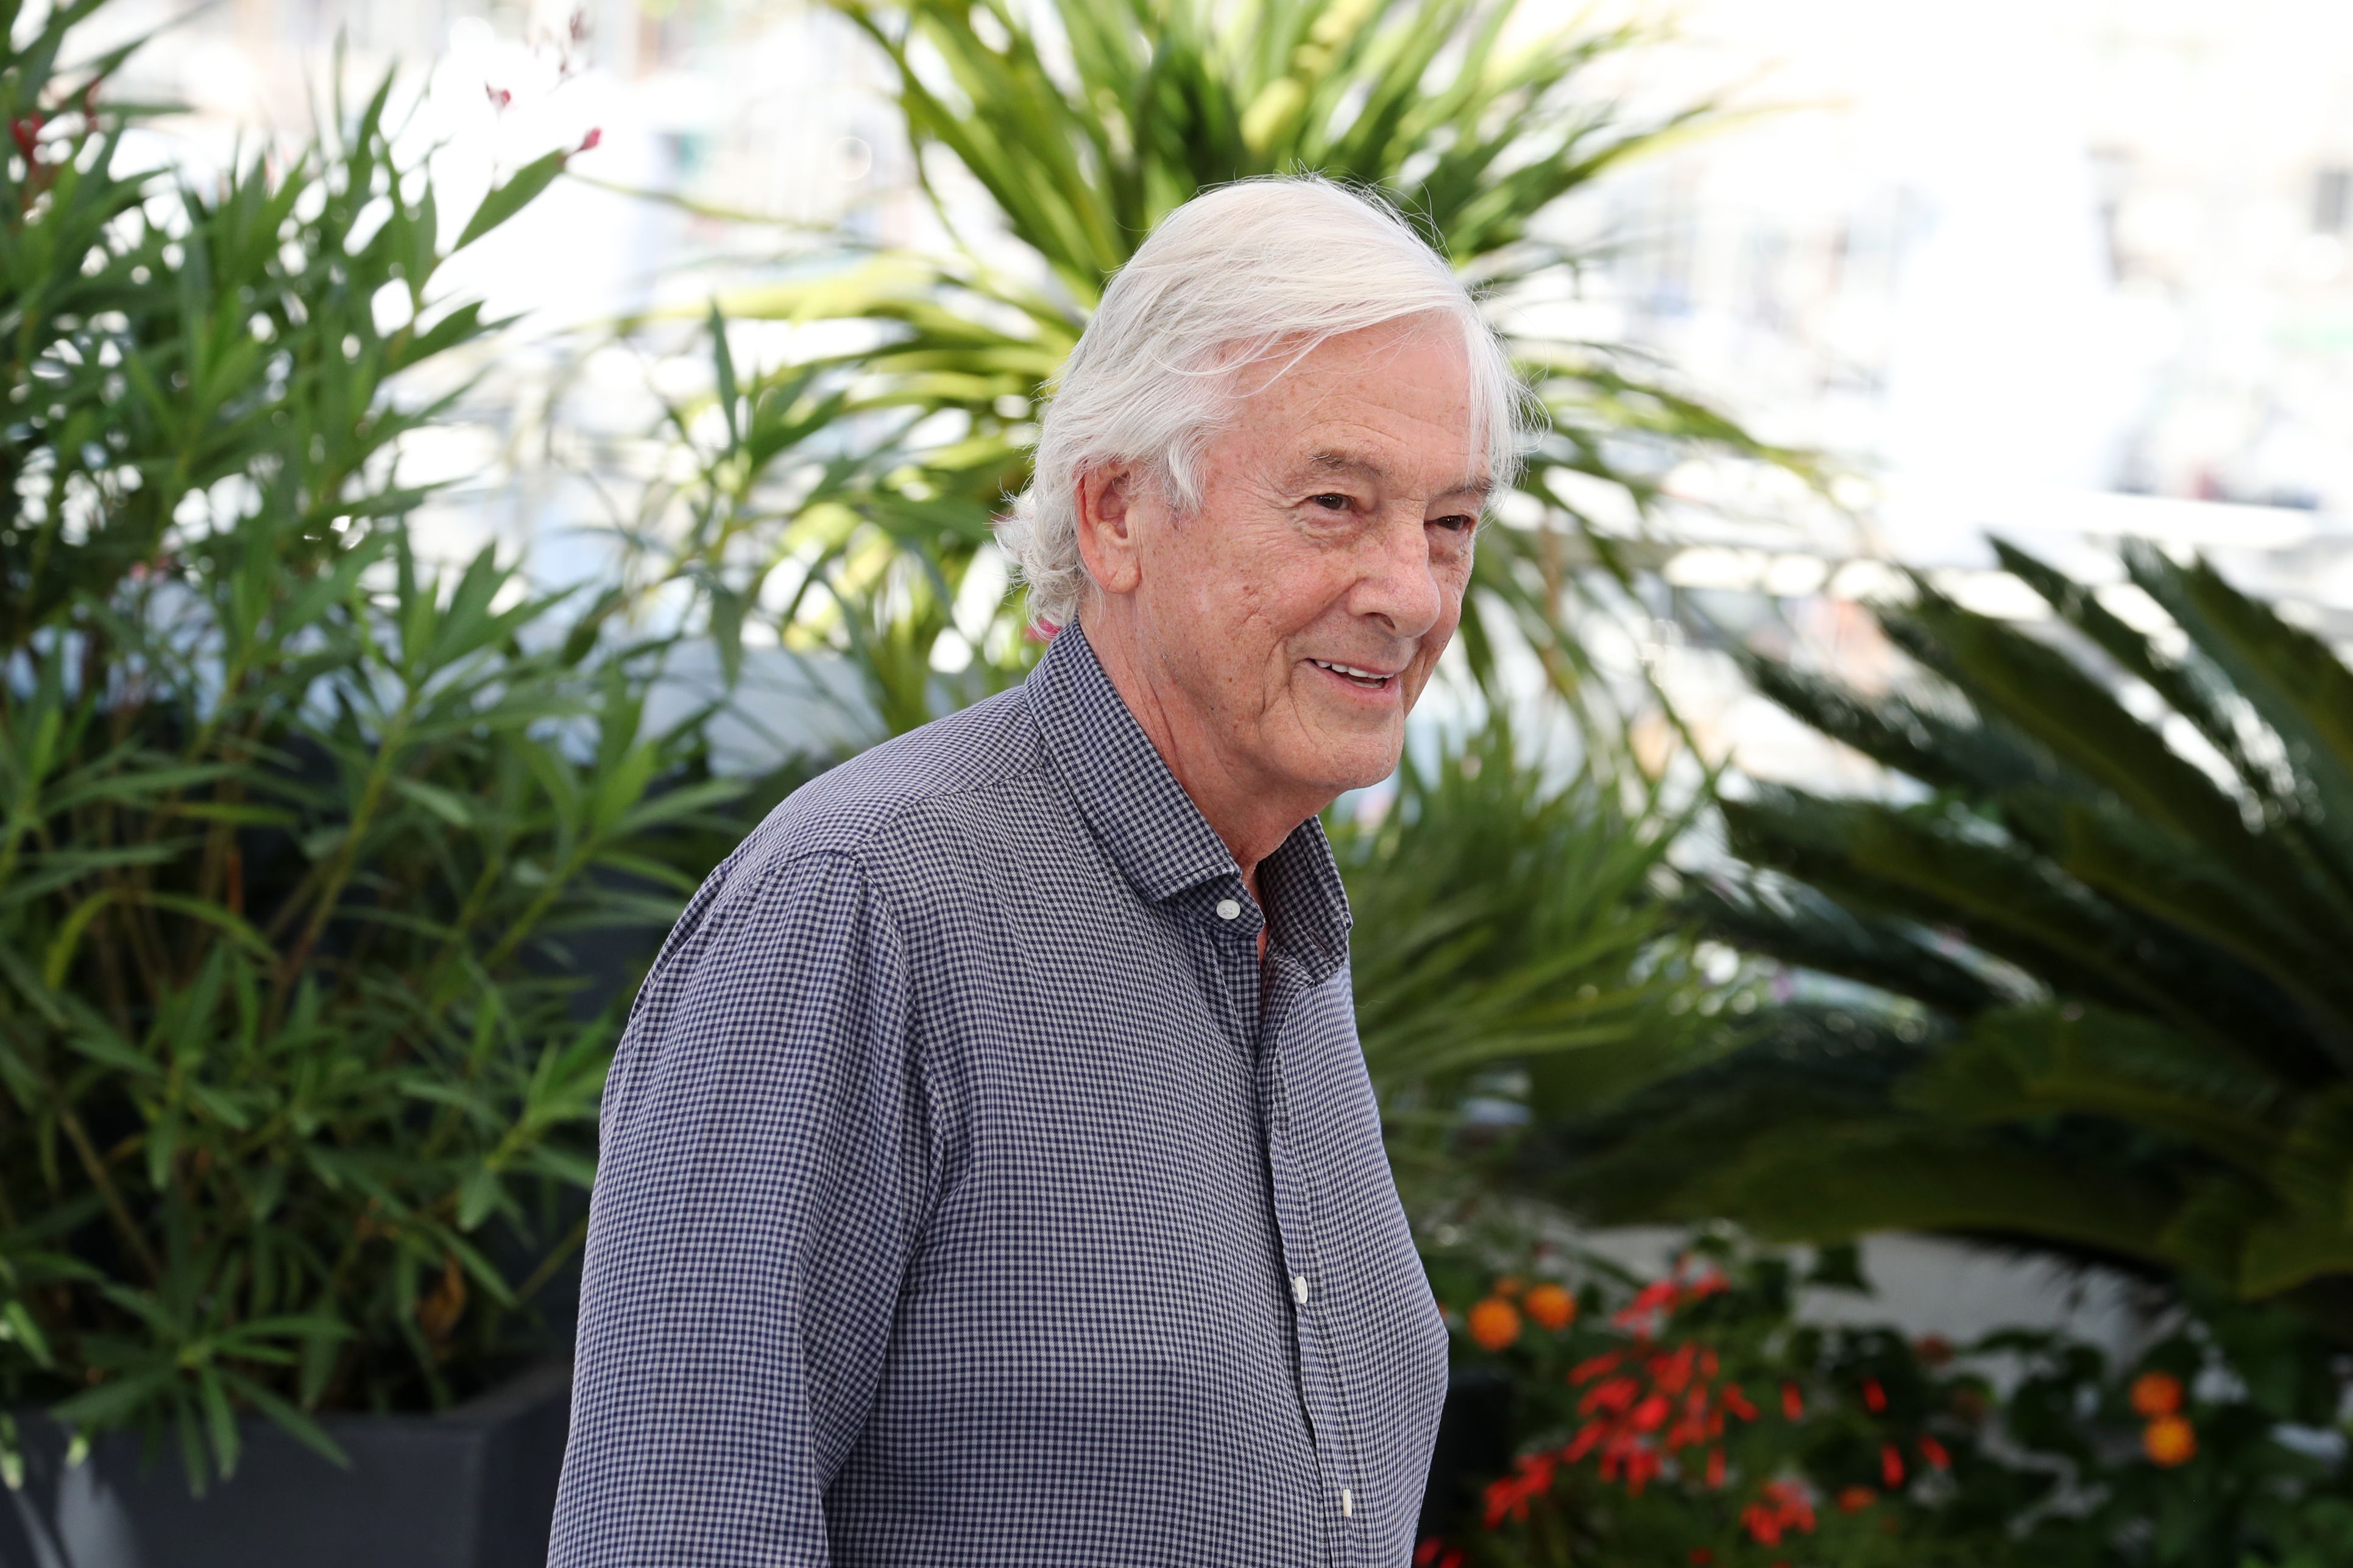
[1349, 670]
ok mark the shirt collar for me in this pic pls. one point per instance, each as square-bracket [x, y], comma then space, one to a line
[1151, 827]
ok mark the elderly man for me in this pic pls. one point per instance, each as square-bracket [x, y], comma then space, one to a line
[990, 1174]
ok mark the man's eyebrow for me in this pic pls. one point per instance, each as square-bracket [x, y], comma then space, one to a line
[1344, 463]
[1358, 467]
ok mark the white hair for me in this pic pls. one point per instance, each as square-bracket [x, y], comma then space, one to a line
[1239, 276]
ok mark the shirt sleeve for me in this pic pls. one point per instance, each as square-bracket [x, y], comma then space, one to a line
[764, 1173]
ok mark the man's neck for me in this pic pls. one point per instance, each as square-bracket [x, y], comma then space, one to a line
[1251, 818]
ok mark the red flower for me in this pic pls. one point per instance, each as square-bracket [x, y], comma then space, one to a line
[1855, 1500]
[1585, 1371]
[1891, 1465]
[1615, 1395]
[1783, 1508]
[1715, 1468]
[1793, 1403]
[1651, 1302]
[1691, 1426]
[1874, 1396]
[27, 132]
[1700, 1557]
[1425, 1554]
[1508, 1496]
[1651, 1414]
[1738, 1402]
[588, 143]
[1933, 1452]
[499, 97]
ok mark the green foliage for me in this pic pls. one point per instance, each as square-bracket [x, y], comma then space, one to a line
[1700, 1419]
[793, 517]
[1509, 945]
[296, 829]
[2098, 999]
[1084, 123]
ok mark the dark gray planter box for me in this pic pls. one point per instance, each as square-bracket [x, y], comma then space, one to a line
[473, 1486]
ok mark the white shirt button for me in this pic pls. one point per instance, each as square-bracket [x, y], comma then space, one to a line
[1228, 910]
[1299, 1288]
[1347, 1503]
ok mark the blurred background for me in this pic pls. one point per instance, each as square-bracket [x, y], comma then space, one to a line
[1867, 903]
[2050, 271]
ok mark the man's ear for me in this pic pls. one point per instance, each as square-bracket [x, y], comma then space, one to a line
[1109, 499]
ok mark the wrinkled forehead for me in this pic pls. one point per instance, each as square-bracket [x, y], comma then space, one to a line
[1436, 370]
[1392, 405]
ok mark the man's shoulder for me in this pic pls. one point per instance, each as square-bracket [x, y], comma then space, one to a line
[913, 793]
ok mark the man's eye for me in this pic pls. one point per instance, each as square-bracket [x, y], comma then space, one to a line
[1334, 501]
[1457, 524]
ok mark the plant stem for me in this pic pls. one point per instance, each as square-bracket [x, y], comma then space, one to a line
[95, 1168]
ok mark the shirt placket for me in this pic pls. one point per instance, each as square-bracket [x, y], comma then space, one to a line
[1302, 1262]
[1261, 996]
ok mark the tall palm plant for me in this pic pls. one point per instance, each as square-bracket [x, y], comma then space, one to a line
[1083, 122]
[2096, 992]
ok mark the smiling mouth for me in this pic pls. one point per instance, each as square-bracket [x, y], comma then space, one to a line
[1362, 679]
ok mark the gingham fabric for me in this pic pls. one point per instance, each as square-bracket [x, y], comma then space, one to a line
[972, 1194]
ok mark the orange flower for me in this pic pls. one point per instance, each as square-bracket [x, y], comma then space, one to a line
[1509, 1285]
[1495, 1323]
[2155, 1393]
[1549, 1307]
[2169, 1441]
[1855, 1500]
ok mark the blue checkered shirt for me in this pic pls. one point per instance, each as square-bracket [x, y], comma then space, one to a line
[972, 1193]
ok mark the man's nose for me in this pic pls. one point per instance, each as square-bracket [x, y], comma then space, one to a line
[1397, 584]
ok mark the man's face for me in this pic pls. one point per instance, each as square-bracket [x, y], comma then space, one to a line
[1302, 608]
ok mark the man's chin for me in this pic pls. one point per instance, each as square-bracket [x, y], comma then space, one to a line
[1357, 766]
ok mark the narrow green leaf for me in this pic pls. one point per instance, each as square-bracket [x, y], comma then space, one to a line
[510, 197]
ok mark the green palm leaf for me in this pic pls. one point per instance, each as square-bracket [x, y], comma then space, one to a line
[1083, 124]
[2115, 930]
